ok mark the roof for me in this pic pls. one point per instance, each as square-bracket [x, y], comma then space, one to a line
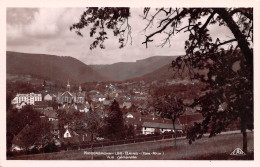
[140, 120]
[67, 93]
[160, 125]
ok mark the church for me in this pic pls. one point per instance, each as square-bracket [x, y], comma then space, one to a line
[69, 97]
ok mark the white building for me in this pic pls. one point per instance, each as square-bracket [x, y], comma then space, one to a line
[67, 134]
[47, 97]
[151, 127]
[29, 99]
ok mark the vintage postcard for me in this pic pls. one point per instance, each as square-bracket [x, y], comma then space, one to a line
[131, 83]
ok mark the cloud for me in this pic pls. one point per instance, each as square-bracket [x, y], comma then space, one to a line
[20, 16]
[46, 30]
[39, 24]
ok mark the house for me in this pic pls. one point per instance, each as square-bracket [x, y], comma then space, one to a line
[72, 137]
[153, 127]
[47, 97]
[127, 105]
[29, 99]
[51, 115]
[129, 115]
[67, 134]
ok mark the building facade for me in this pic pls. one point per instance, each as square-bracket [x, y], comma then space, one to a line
[29, 98]
[71, 97]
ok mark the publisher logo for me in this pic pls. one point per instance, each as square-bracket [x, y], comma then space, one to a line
[238, 151]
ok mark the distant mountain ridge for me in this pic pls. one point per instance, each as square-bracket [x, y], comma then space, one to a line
[167, 72]
[56, 68]
[64, 68]
[128, 70]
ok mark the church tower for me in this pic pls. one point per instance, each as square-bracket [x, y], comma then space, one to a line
[68, 86]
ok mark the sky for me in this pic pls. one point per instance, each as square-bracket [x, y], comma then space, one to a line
[46, 31]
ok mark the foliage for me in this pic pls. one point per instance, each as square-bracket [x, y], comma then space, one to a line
[94, 123]
[64, 118]
[130, 130]
[115, 128]
[36, 135]
[167, 104]
[17, 120]
[232, 92]
[100, 18]
[51, 147]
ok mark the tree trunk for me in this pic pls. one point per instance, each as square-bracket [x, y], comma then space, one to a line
[243, 131]
[245, 142]
[174, 135]
[173, 123]
[92, 148]
[241, 40]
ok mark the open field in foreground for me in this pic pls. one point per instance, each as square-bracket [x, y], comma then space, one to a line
[218, 147]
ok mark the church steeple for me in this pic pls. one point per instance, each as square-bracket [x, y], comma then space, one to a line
[68, 86]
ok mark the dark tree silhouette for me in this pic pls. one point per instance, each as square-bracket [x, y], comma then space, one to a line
[216, 56]
[115, 128]
[38, 135]
[115, 19]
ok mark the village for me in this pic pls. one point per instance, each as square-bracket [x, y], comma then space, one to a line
[134, 100]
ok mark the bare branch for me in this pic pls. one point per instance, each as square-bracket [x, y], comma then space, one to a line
[226, 42]
[152, 19]
[148, 38]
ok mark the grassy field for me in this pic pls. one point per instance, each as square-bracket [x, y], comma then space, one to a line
[218, 147]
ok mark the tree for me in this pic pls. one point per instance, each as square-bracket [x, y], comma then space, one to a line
[42, 131]
[202, 53]
[233, 97]
[64, 119]
[115, 128]
[168, 105]
[94, 125]
[17, 120]
[37, 135]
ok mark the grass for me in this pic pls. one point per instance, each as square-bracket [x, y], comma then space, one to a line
[216, 148]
